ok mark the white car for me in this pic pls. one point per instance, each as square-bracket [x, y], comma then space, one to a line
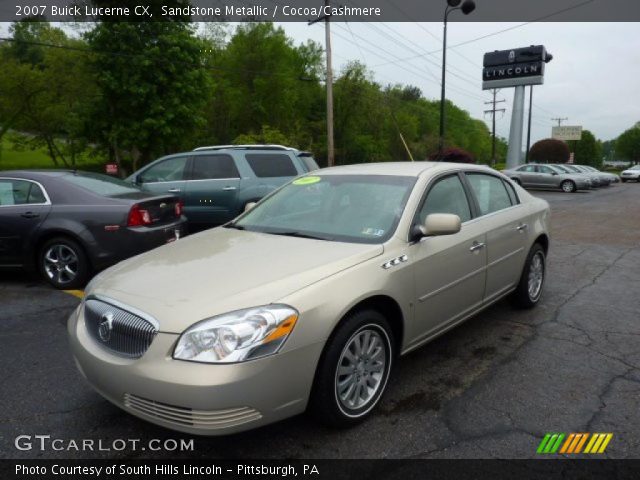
[631, 174]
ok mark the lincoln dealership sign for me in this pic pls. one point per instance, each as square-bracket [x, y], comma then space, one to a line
[510, 68]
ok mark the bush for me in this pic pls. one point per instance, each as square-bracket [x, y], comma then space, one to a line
[549, 151]
[454, 155]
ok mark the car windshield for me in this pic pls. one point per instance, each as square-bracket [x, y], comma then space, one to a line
[101, 184]
[562, 169]
[348, 208]
[571, 168]
[637, 167]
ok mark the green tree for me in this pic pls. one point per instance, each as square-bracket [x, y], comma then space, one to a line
[588, 151]
[152, 85]
[628, 145]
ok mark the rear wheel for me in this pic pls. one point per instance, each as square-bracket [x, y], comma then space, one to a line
[353, 371]
[63, 263]
[568, 186]
[529, 290]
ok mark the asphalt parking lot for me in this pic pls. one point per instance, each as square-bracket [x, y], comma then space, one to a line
[490, 388]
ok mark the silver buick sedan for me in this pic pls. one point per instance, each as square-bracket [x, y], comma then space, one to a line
[306, 299]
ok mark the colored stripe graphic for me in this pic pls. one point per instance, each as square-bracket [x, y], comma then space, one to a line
[553, 443]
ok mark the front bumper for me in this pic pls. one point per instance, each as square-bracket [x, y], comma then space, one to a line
[196, 398]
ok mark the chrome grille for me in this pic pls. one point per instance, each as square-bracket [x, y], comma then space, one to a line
[118, 330]
[206, 419]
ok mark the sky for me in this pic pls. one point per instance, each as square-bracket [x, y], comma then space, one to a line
[593, 79]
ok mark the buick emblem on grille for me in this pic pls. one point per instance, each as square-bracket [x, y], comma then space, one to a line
[106, 326]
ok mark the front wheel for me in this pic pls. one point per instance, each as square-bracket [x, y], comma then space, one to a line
[568, 186]
[529, 290]
[353, 371]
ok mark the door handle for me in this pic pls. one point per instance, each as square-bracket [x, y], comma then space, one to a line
[30, 215]
[477, 246]
[174, 190]
[227, 189]
[522, 228]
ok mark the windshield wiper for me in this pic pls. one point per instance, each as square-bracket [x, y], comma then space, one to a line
[299, 235]
[233, 225]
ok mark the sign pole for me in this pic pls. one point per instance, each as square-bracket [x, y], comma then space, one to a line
[514, 153]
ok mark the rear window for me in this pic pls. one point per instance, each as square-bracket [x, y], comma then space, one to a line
[271, 165]
[309, 162]
[101, 184]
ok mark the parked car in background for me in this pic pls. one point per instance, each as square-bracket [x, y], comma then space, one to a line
[216, 183]
[632, 173]
[309, 297]
[69, 224]
[595, 181]
[533, 175]
[601, 178]
[612, 177]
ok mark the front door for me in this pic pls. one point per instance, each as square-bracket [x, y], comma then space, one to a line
[449, 270]
[166, 177]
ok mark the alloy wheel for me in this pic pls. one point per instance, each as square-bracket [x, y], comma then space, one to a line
[61, 263]
[536, 276]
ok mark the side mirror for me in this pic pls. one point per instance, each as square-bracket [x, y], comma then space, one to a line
[249, 206]
[437, 224]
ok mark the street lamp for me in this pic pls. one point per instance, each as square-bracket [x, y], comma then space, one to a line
[467, 7]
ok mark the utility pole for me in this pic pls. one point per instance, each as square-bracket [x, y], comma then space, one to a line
[329, 85]
[560, 120]
[493, 112]
[526, 153]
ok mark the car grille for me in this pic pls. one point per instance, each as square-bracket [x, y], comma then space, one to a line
[118, 330]
[212, 419]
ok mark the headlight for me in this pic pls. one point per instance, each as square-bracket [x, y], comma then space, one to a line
[237, 336]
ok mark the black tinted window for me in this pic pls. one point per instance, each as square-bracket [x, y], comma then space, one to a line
[206, 167]
[309, 162]
[447, 196]
[271, 165]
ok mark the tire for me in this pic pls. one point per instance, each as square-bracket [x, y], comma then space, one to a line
[568, 186]
[529, 290]
[336, 399]
[74, 263]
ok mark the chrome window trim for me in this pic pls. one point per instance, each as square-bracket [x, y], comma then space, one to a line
[126, 308]
[44, 191]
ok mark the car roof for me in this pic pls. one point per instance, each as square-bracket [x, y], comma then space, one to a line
[407, 169]
[35, 174]
[245, 147]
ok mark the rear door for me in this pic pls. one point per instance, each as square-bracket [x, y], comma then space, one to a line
[503, 220]
[528, 176]
[23, 207]
[166, 176]
[212, 190]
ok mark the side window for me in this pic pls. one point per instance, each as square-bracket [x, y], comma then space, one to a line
[490, 192]
[446, 196]
[528, 169]
[36, 195]
[14, 192]
[170, 170]
[545, 169]
[512, 193]
[211, 167]
[271, 165]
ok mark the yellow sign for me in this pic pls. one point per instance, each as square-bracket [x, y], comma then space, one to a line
[307, 180]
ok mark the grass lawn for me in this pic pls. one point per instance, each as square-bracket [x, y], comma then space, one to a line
[12, 159]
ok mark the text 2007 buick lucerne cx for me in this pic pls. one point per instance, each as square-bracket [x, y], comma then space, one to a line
[306, 299]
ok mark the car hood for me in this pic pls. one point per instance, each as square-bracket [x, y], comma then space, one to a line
[222, 270]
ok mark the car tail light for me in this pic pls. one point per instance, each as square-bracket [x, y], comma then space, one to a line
[178, 208]
[138, 216]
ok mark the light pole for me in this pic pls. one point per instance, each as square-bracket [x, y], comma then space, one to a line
[467, 7]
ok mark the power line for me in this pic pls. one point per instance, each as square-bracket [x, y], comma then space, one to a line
[482, 37]
[493, 112]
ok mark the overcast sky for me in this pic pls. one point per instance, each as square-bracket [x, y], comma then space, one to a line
[593, 80]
